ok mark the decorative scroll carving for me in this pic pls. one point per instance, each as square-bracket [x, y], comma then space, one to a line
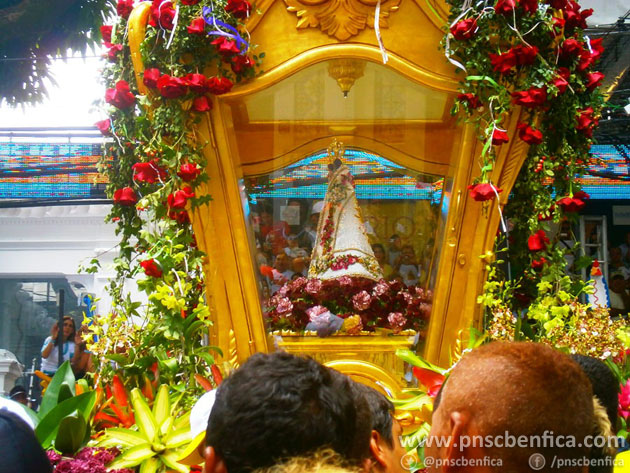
[340, 18]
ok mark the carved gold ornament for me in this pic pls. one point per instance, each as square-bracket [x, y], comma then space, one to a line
[340, 18]
[345, 72]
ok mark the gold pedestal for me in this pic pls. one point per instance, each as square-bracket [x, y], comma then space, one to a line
[368, 358]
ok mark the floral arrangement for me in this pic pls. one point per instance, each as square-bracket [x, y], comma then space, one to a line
[88, 460]
[360, 304]
[192, 51]
[581, 330]
[534, 55]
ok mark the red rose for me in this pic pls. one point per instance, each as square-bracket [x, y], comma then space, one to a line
[124, 8]
[537, 241]
[505, 7]
[190, 2]
[239, 8]
[180, 217]
[464, 29]
[561, 82]
[570, 48]
[197, 26]
[150, 77]
[178, 199]
[162, 14]
[106, 34]
[189, 172]
[557, 4]
[525, 55]
[538, 264]
[197, 83]
[594, 79]
[499, 137]
[586, 122]
[201, 104]
[125, 196]
[574, 17]
[547, 215]
[471, 100]
[219, 85]
[241, 62]
[503, 63]
[483, 191]
[529, 135]
[104, 126]
[533, 97]
[149, 172]
[558, 26]
[225, 46]
[575, 203]
[171, 87]
[151, 268]
[120, 96]
[112, 54]
[529, 6]
[598, 49]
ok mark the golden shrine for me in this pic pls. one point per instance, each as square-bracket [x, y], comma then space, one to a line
[370, 74]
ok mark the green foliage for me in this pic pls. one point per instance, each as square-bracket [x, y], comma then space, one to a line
[157, 244]
[554, 84]
[64, 419]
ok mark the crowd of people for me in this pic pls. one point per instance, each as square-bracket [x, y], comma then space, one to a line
[281, 413]
[287, 248]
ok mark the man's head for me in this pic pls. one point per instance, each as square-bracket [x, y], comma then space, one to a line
[385, 448]
[617, 283]
[18, 394]
[282, 262]
[277, 406]
[524, 389]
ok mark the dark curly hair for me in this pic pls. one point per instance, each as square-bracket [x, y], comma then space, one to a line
[278, 406]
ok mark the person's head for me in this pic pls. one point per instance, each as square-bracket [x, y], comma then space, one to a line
[69, 328]
[516, 389]
[18, 394]
[615, 254]
[282, 262]
[292, 241]
[379, 252]
[21, 451]
[266, 217]
[386, 451]
[299, 264]
[617, 283]
[277, 406]
[323, 461]
[408, 255]
[605, 389]
[604, 383]
[395, 242]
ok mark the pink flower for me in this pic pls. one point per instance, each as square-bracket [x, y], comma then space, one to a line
[284, 306]
[316, 311]
[362, 300]
[113, 52]
[313, 286]
[396, 321]
[624, 400]
[104, 126]
[345, 281]
[380, 288]
[120, 97]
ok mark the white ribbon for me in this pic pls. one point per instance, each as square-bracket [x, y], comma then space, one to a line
[377, 30]
[170, 39]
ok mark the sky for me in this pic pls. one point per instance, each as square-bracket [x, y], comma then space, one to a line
[71, 103]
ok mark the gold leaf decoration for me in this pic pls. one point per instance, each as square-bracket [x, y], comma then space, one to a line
[340, 18]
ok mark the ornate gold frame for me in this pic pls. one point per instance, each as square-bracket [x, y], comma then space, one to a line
[412, 37]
